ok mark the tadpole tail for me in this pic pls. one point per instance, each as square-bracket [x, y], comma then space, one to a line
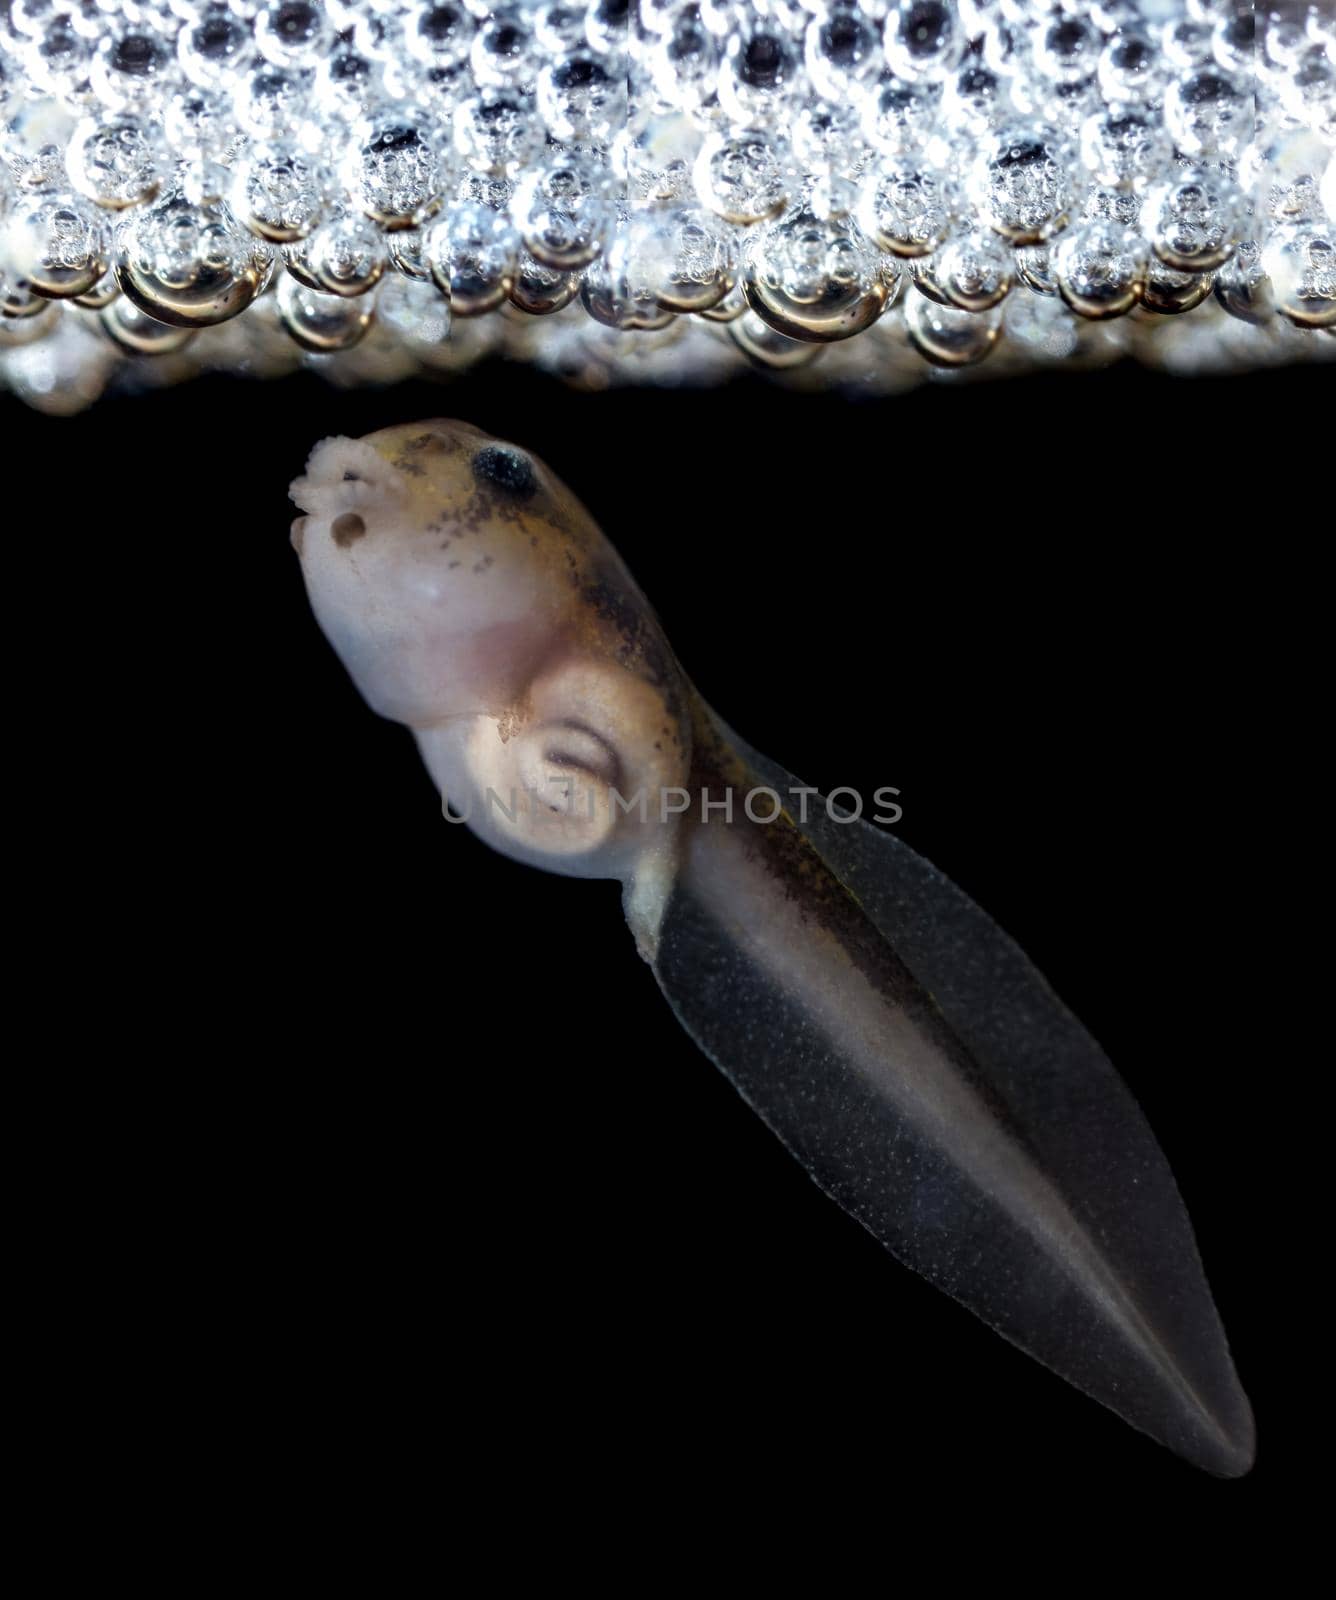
[913, 1060]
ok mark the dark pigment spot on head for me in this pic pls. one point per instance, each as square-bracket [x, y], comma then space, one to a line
[422, 444]
[347, 528]
[496, 467]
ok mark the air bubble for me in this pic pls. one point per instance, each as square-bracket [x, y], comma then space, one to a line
[1125, 145]
[924, 40]
[215, 50]
[34, 144]
[18, 299]
[1301, 264]
[947, 337]
[1171, 293]
[731, 307]
[503, 50]
[563, 210]
[1242, 287]
[17, 332]
[742, 177]
[825, 140]
[1100, 269]
[923, 275]
[1186, 42]
[900, 119]
[977, 100]
[1021, 184]
[761, 65]
[131, 328]
[131, 64]
[116, 162]
[346, 256]
[976, 270]
[471, 253]
[58, 61]
[905, 209]
[278, 192]
[1034, 267]
[393, 168]
[540, 290]
[1234, 39]
[1131, 68]
[293, 33]
[322, 323]
[606, 24]
[58, 243]
[273, 102]
[559, 27]
[1208, 114]
[830, 151]
[407, 252]
[699, 267]
[200, 121]
[1194, 219]
[345, 83]
[684, 64]
[1067, 48]
[103, 292]
[843, 53]
[189, 265]
[579, 98]
[813, 279]
[766, 347]
[620, 288]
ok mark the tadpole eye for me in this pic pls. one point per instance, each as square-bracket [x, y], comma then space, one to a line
[497, 467]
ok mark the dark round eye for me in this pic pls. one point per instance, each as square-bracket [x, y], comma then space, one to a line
[496, 467]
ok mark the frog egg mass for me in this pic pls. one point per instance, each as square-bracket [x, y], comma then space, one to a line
[860, 193]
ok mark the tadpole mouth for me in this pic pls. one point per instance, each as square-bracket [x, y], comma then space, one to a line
[345, 475]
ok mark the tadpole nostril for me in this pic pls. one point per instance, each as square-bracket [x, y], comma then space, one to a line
[347, 528]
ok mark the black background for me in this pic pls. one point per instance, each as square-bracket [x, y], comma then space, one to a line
[389, 1150]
